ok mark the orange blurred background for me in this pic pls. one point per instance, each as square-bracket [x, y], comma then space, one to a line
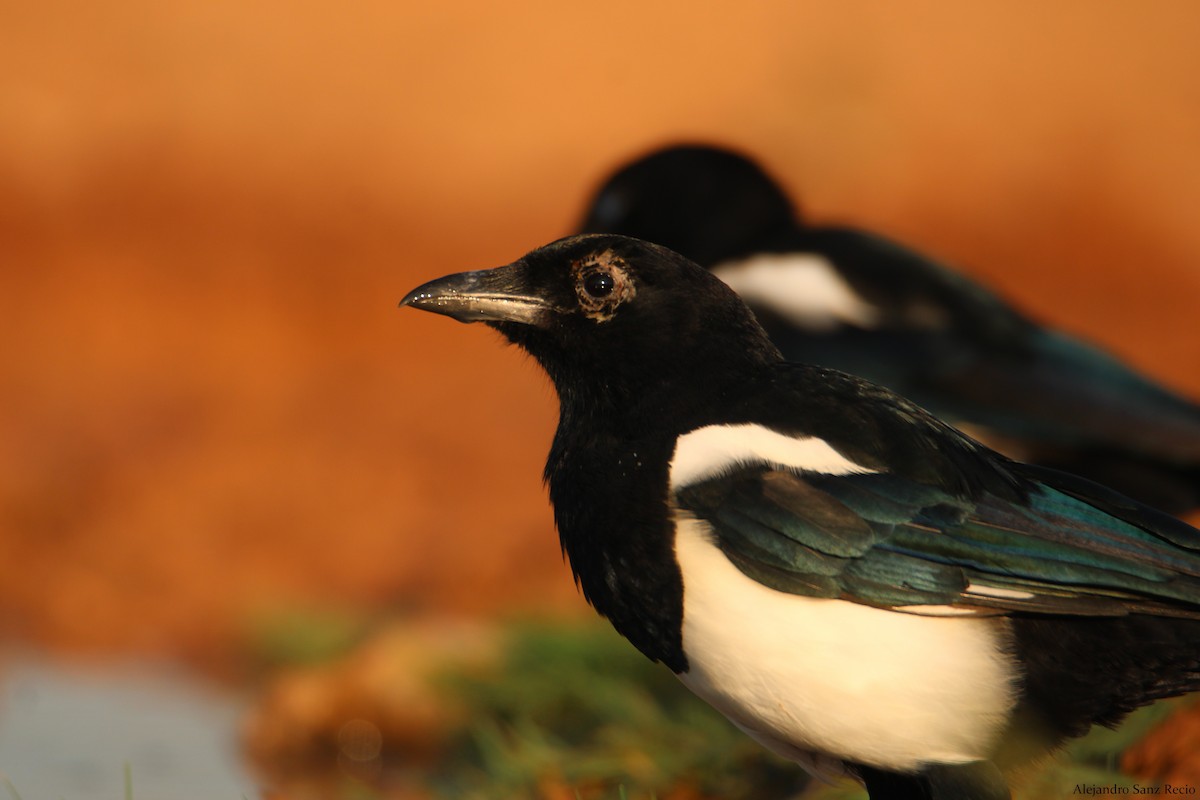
[208, 210]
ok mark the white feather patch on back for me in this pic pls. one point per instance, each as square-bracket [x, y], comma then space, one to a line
[709, 451]
[942, 611]
[861, 684]
[996, 591]
[804, 288]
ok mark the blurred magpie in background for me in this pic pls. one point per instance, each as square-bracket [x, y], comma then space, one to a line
[857, 302]
[857, 585]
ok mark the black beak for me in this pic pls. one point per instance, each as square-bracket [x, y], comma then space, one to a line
[490, 295]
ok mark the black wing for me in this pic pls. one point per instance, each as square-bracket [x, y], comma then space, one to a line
[888, 541]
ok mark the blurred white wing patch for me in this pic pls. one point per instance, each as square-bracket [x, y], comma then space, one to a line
[715, 449]
[804, 288]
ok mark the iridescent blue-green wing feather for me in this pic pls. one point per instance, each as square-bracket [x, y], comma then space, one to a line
[883, 540]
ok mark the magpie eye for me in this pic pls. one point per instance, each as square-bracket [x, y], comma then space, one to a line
[602, 284]
[599, 284]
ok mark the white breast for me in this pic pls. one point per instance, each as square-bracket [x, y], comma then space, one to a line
[861, 684]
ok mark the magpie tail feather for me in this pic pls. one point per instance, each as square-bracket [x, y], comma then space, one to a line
[1173, 488]
[1085, 671]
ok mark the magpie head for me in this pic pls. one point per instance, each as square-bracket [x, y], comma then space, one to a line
[608, 315]
[707, 203]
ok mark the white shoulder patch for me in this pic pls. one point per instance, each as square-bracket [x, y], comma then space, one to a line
[804, 288]
[712, 450]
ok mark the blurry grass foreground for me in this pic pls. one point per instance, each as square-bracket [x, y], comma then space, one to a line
[574, 710]
[554, 711]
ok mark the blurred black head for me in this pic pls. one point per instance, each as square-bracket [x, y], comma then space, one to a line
[707, 203]
[608, 313]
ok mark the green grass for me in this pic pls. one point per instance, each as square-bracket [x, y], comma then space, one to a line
[576, 706]
[292, 636]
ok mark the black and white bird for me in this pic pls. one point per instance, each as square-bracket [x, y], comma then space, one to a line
[855, 584]
[857, 302]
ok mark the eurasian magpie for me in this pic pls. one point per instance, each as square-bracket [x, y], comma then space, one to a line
[857, 302]
[856, 584]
